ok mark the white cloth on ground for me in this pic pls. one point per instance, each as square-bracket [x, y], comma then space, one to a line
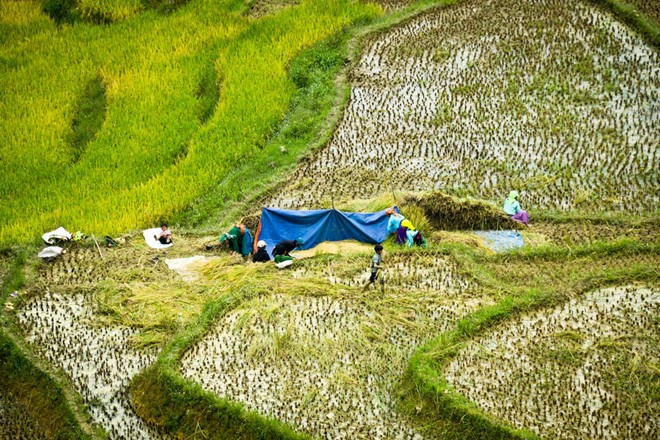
[50, 252]
[283, 264]
[59, 233]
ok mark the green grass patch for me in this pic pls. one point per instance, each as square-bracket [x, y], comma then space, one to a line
[208, 92]
[89, 117]
[36, 394]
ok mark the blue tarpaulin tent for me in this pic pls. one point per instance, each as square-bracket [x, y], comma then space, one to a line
[321, 225]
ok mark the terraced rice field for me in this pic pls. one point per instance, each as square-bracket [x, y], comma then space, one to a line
[99, 360]
[574, 233]
[555, 99]
[583, 370]
[328, 366]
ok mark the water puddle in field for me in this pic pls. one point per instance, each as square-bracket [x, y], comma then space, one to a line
[99, 361]
[556, 371]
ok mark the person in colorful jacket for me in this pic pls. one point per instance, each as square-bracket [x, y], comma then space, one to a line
[513, 209]
[394, 220]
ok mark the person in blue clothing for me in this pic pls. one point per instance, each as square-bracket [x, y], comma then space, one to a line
[513, 209]
[394, 220]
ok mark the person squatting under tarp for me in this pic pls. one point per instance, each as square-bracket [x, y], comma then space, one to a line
[404, 229]
[376, 264]
[513, 209]
[261, 256]
[239, 239]
[282, 249]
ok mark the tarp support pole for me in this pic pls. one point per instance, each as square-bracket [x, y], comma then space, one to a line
[256, 238]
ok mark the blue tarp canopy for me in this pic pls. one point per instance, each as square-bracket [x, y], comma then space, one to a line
[321, 225]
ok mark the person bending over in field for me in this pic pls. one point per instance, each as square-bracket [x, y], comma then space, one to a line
[399, 225]
[394, 220]
[239, 239]
[165, 236]
[513, 209]
[282, 249]
[408, 234]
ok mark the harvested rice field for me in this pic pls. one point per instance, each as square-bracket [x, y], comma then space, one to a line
[328, 366]
[82, 316]
[98, 360]
[584, 370]
[558, 100]
[587, 232]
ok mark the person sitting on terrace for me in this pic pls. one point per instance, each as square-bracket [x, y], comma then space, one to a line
[513, 209]
[165, 236]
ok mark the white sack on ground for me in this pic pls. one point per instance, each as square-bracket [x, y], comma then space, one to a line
[50, 252]
[59, 233]
[283, 264]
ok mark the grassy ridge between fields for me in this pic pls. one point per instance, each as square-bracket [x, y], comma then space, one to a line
[36, 394]
[530, 279]
[634, 18]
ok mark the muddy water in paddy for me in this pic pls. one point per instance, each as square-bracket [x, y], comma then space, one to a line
[553, 98]
[574, 372]
[327, 366]
[99, 361]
